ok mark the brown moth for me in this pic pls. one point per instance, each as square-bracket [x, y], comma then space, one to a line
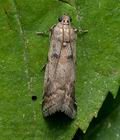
[59, 80]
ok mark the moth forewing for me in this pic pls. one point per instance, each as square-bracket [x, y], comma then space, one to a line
[59, 80]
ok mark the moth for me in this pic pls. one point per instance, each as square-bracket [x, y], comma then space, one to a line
[59, 79]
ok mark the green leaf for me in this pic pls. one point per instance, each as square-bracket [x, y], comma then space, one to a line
[110, 128]
[22, 55]
[106, 126]
[98, 56]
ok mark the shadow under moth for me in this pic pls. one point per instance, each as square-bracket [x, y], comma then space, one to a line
[59, 79]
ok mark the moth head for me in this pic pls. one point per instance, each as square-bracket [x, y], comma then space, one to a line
[65, 20]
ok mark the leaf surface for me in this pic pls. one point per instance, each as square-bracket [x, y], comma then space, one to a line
[22, 55]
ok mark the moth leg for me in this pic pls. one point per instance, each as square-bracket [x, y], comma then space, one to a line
[46, 33]
[81, 31]
[43, 67]
[52, 28]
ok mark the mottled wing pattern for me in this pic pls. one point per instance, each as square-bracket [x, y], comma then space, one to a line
[59, 81]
